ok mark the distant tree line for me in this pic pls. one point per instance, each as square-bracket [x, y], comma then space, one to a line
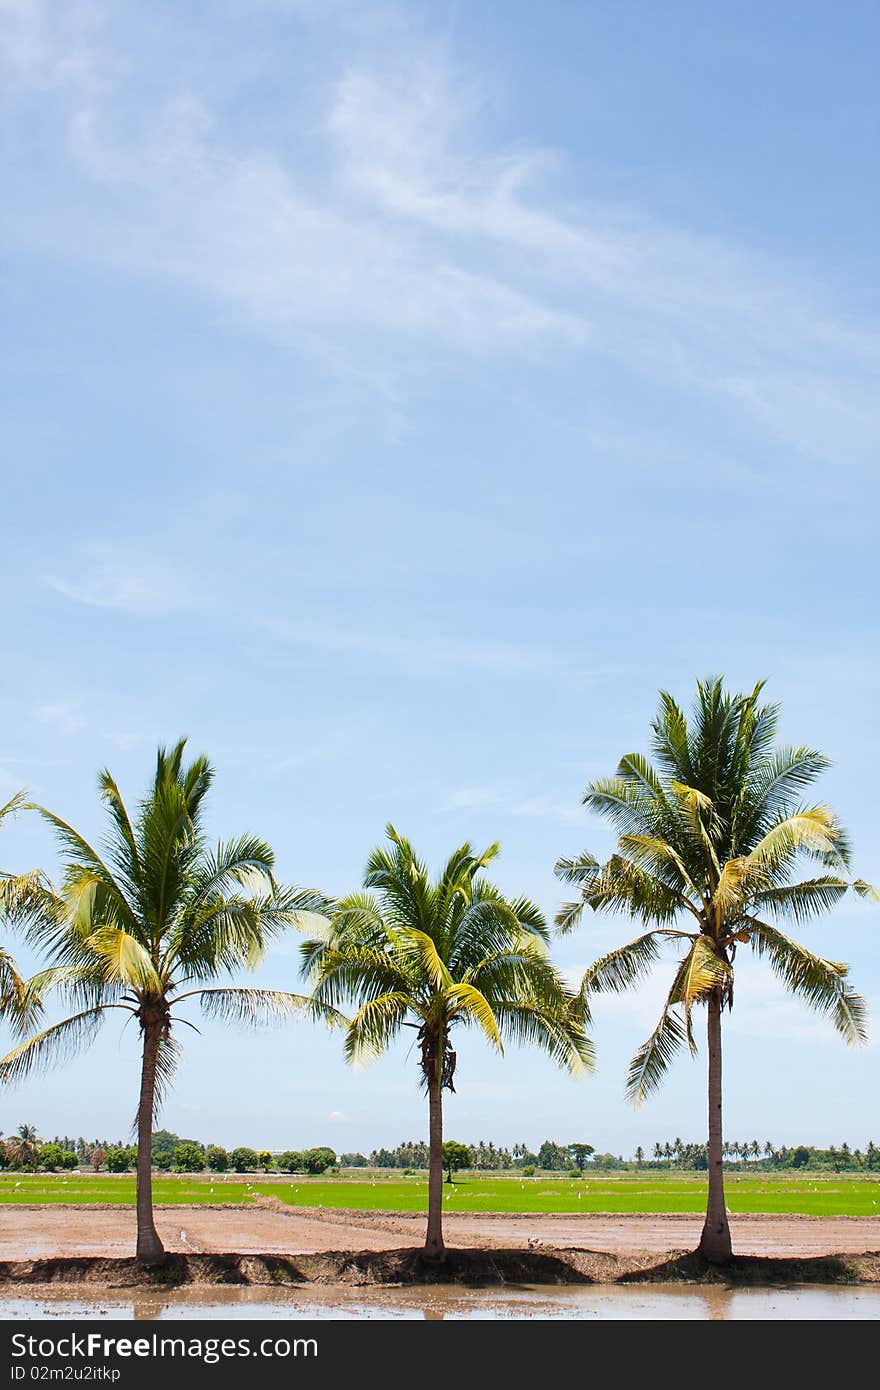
[26, 1151]
[752, 1154]
[482, 1157]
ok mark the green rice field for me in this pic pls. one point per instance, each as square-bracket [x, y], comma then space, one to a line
[811, 1195]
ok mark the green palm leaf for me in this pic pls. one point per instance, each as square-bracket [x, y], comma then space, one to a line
[820, 983]
[648, 1068]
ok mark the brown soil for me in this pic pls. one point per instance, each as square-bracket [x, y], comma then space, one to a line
[469, 1267]
[273, 1229]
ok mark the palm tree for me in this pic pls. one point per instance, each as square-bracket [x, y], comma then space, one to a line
[130, 930]
[24, 1147]
[436, 955]
[711, 839]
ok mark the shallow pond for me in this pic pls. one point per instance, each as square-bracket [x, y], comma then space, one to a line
[667, 1302]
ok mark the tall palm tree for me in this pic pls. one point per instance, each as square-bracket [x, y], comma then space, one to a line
[435, 956]
[711, 841]
[131, 928]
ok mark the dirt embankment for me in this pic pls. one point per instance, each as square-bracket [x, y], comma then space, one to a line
[476, 1268]
[276, 1244]
[273, 1228]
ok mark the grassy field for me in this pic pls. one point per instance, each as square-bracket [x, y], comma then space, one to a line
[813, 1195]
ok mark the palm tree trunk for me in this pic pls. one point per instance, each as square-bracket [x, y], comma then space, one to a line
[150, 1249]
[434, 1246]
[715, 1244]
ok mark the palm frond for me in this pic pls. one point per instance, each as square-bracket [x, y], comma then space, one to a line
[625, 886]
[581, 870]
[375, 1026]
[770, 788]
[627, 806]
[814, 830]
[167, 1062]
[245, 863]
[702, 971]
[866, 890]
[648, 1068]
[621, 968]
[801, 901]
[28, 899]
[557, 1029]
[17, 802]
[21, 1001]
[660, 859]
[820, 983]
[90, 889]
[125, 961]
[425, 951]
[54, 1044]
[256, 1008]
[466, 1000]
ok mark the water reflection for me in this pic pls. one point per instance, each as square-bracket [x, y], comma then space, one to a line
[435, 1303]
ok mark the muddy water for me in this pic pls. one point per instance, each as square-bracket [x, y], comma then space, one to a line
[669, 1302]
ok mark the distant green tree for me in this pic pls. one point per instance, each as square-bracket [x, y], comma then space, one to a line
[162, 1148]
[640, 1155]
[120, 1160]
[551, 1156]
[580, 1155]
[244, 1160]
[353, 1160]
[607, 1162]
[216, 1158]
[266, 1160]
[291, 1161]
[318, 1160]
[23, 1148]
[50, 1157]
[455, 1157]
[69, 1159]
[188, 1158]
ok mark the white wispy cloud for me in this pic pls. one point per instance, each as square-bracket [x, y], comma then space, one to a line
[63, 715]
[403, 220]
[510, 801]
[663, 301]
[144, 587]
[421, 653]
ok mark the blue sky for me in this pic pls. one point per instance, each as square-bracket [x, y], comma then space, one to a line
[394, 397]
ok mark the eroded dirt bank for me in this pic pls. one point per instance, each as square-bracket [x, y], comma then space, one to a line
[477, 1268]
[29, 1233]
